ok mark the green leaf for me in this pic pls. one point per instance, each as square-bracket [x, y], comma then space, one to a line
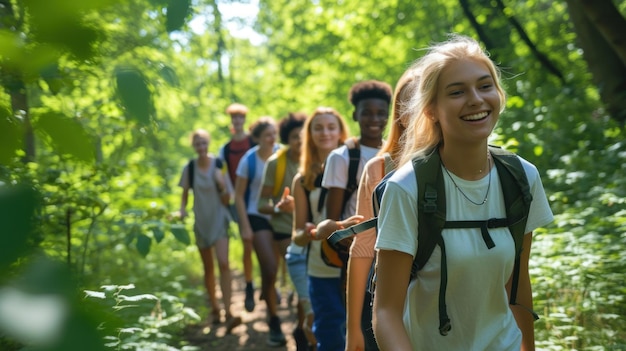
[132, 89]
[169, 75]
[52, 76]
[158, 234]
[67, 136]
[95, 294]
[17, 207]
[10, 137]
[180, 233]
[134, 232]
[143, 244]
[177, 11]
[136, 298]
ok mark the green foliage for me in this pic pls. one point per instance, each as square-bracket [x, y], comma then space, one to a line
[153, 321]
[177, 12]
[67, 136]
[17, 208]
[133, 90]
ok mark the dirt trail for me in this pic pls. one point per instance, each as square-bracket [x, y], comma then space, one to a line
[252, 333]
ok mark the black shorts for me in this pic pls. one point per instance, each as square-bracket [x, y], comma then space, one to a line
[258, 223]
[281, 236]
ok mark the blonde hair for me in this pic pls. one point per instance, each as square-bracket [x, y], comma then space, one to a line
[237, 108]
[311, 163]
[422, 133]
[400, 115]
[199, 133]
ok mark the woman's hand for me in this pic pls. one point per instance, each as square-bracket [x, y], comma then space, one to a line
[328, 226]
[286, 203]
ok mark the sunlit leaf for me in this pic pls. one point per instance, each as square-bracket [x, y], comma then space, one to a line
[143, 244]
[133, 92]
[136, 298]
[95, 294]
[180, 233]
[67, 136]
[177, 11]
[130, 330]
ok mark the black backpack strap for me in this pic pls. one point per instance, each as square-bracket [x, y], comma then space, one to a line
[483, 225]
[226, 152]
[431, 207]
[353, 167]
[379, 190]
[190, 173]
[517, 200]
[431, 217]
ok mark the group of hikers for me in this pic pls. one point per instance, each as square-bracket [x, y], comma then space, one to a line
[444, 266]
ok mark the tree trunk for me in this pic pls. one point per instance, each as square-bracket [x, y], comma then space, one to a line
[19, 105]
[13, 82]
[609, 22]
[607, 68]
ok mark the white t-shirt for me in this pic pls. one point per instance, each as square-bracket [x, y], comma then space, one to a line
[476, 298]
[254, 184]
[336, 172]
[315, 264]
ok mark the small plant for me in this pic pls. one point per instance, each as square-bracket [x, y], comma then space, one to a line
[151, 321]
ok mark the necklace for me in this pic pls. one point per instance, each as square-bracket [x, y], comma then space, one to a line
[461, 191]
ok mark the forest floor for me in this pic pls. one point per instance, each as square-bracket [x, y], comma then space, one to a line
[253, 332]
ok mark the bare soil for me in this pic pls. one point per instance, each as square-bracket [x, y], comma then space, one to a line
[253, 332]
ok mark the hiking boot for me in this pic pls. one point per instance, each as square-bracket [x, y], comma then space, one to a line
[276, 337]
[302, 344]
[249, 301]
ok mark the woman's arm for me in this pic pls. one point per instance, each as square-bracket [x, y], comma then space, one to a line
[266, 201]
[240, 204]
[301, 231]
[393, 269]
[358, 271]
[222, 187]
[523, 317]
[183, 203]
[361, 257]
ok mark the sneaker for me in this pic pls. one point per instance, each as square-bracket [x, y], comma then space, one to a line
[302, 343]
[276, 337]
[249, 301]
[216, 317]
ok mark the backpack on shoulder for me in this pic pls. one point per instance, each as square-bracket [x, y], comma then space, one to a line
[338, 256]
[190, 169]
[432, 218]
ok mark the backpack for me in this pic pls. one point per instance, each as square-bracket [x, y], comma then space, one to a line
[338, 256]
[191, 171]
[281, 168]
[251, 160]
[226, 149]
[432, 218]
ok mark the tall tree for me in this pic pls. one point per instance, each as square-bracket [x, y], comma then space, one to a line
[600, 32]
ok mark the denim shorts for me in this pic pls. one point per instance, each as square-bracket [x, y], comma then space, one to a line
[296, 265]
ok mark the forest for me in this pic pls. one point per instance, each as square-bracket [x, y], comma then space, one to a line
[98, 98]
